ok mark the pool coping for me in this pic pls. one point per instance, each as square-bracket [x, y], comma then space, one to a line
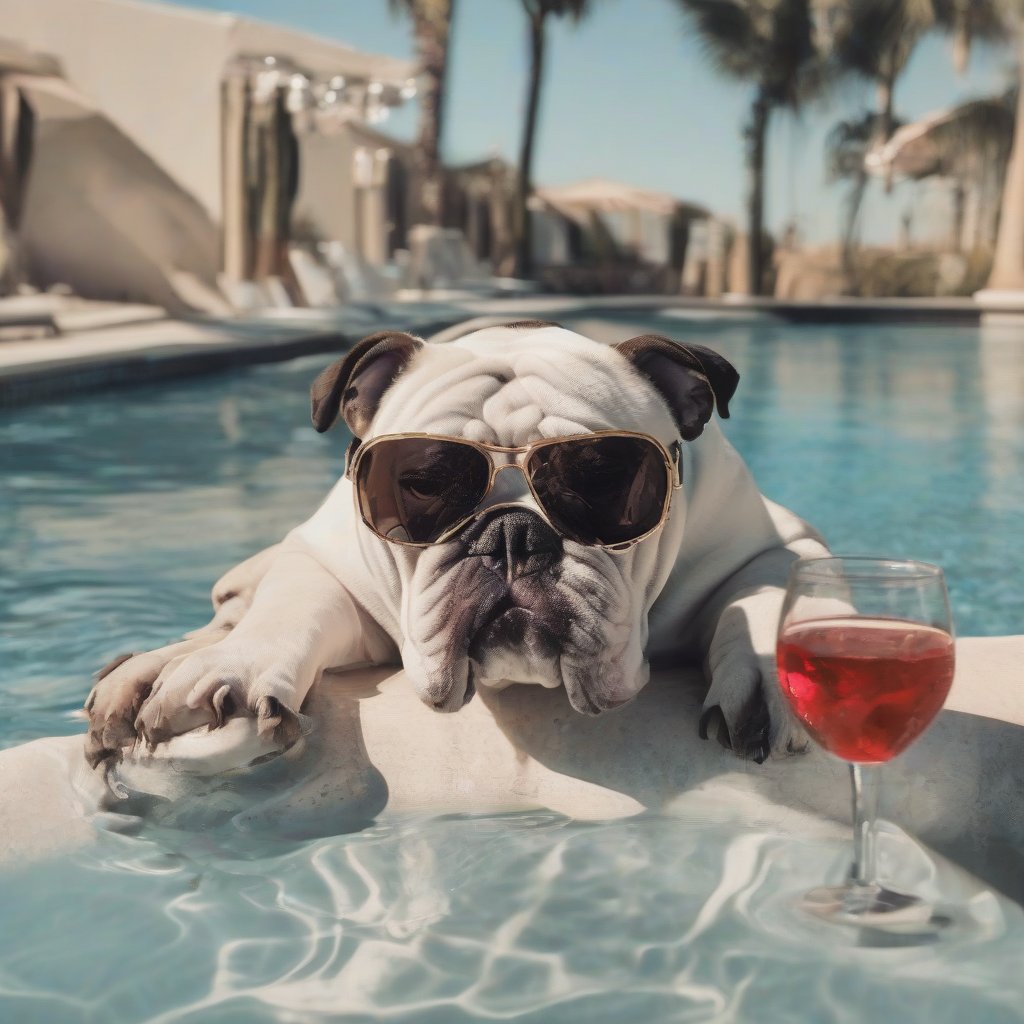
[121, 353]
[87, 362]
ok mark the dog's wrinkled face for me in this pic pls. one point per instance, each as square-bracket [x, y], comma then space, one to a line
[508, 599]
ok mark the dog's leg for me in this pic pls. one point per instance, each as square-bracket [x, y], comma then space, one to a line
[240, 583]
[745, 707]
[302, 620]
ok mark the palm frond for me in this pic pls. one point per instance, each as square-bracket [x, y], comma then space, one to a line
[575, 10]
[971, 20]
[770, 42]
[848, 143]
[876, 37]
[977, 133]
[727, 34]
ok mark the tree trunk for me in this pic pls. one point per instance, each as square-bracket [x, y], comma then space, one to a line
[1008, 265]
[524, 233]
[756, 134]
[886, 89]
[432, 25]
[854, 201]
[956, 233]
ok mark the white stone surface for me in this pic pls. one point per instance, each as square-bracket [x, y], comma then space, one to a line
[375, 748]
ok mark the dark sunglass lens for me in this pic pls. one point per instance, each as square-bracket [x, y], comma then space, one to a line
[601, 490]
[414, 489]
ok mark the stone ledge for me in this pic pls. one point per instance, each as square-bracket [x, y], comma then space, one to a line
[377, 749]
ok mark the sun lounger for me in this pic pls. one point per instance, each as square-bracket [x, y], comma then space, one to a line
[43, 320]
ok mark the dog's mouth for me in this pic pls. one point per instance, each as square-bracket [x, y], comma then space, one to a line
[507, 624]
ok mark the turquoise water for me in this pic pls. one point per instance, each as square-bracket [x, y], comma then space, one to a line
[118, 511]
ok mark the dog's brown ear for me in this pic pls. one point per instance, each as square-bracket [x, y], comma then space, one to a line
[355, 384]
[691, 378]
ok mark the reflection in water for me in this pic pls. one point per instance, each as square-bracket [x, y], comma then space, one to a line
[118, 511]
[460, 918]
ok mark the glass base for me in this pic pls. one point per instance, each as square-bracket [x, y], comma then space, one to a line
[875, 907]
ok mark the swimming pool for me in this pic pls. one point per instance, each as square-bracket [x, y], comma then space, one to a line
[119, 510]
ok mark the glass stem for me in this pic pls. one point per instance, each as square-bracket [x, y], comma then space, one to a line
[864, 779]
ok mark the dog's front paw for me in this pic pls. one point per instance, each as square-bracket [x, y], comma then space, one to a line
[745, 708]
[121, 688]
[211, 686]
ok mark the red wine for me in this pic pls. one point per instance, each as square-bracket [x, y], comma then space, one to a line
[865, 688]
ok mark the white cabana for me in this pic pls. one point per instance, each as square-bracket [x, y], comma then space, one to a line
[911, 152]
[640, 220]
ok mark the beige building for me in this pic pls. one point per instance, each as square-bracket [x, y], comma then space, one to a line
[158, 131]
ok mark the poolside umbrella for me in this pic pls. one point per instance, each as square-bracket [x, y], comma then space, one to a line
[969, 144]
[639, 220]
[940, 143]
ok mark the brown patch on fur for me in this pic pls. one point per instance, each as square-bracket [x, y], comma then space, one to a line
[114, 663]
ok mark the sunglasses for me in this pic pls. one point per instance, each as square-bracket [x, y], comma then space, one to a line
[607, 489]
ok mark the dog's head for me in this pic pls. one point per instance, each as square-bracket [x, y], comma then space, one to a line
[508, 598]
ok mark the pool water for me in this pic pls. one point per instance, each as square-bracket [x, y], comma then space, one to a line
[119, 510]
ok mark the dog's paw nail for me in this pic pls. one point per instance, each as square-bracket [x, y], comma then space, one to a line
[713, 724]
[705, 718]
[141, 696]
[223, 705]
[95, 752]
[268, 715]
[150, 732]
[276, 720]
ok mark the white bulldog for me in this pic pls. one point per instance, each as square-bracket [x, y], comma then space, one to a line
[531, 583]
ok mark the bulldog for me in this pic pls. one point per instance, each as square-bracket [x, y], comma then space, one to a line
[519, 505]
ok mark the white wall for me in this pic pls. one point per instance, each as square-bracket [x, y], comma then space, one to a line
[155, 70]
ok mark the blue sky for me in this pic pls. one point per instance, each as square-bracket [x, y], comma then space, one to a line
[631, 96]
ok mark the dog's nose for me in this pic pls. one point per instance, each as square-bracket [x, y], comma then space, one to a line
[514, 543]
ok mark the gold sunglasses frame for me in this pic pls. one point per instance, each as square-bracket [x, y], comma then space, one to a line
[515, 458]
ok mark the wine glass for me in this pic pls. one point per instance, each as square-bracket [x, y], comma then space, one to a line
[865, 658]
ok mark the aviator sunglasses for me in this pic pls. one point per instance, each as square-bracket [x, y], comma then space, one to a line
[606, 489]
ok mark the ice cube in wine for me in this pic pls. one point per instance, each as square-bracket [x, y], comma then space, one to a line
[865, 688]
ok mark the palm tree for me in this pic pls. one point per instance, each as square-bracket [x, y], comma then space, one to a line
[537, 13]
[846, 148]
[875, 39]
[770, 43]
[432, 22]
[969, 20]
